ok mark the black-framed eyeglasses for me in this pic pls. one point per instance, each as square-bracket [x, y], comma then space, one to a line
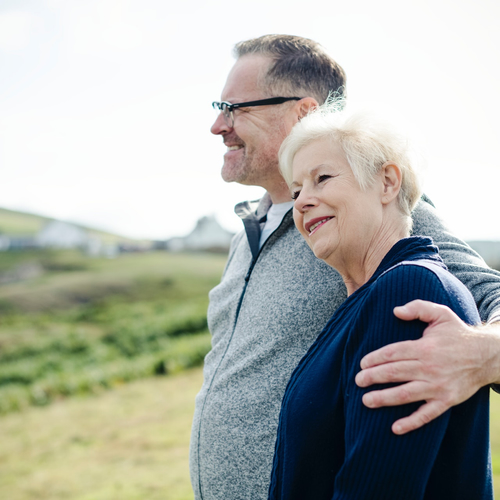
[227, 108]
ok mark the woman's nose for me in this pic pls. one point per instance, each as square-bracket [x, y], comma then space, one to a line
[304, 201]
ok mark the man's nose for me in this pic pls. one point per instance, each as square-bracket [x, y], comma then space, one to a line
[220, 127]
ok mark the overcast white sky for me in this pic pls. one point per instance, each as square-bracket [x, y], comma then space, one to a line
[105, 104]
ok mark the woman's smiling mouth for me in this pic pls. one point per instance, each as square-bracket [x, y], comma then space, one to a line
[313, 224]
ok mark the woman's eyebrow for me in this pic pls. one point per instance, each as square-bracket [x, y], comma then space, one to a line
[314, 170]
[310, 172]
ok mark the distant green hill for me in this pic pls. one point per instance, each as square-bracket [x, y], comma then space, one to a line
[13, 222]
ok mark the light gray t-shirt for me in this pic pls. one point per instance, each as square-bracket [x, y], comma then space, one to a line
[274, 218]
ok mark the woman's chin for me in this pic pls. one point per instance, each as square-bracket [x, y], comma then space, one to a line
[322, 254]
[327, 256]
[325, 250]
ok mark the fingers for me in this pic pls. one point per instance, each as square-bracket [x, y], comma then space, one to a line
[402, 371]
[423, 310]
[403, 394]
[392, 352]
[425, 414]
[396, 396]
[440, 319]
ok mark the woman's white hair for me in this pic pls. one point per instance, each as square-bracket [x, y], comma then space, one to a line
[367, 141]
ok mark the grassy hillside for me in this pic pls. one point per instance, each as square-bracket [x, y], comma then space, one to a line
[13, 222]
[80, 325]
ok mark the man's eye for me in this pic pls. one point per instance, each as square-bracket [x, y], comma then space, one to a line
[323, 177]
[295, 195]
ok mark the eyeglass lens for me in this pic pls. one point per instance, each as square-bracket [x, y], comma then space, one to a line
[224, 109]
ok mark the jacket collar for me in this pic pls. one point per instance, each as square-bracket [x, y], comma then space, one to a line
[255, 209]
[252, 213]
[409, 249]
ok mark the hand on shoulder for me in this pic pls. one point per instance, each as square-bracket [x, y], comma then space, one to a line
[449, 364]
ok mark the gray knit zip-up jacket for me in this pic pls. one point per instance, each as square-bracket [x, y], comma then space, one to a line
[268, 309]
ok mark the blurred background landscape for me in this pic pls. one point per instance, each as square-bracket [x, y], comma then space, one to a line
[76, 322]
[74, 319]
[115, 224]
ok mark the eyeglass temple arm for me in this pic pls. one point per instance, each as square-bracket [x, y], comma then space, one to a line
[264, 102]
[261, 102]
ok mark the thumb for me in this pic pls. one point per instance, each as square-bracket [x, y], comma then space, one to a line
[425, 311]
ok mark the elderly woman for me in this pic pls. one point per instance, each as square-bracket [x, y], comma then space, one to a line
[354, 188]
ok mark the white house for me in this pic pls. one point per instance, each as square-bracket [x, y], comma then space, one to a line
[208, 235]
[60, 234]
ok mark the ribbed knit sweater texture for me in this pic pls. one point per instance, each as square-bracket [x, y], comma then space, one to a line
[331, 446]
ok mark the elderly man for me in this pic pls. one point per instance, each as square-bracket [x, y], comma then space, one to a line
[275, 296]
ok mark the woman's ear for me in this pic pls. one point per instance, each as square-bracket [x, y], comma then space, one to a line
[391, 177]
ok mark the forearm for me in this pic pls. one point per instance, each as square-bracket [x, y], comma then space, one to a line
[487, 342]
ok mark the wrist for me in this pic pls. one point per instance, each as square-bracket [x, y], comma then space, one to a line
[488, 341]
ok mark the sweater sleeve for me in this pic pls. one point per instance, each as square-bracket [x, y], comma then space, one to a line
[462, 261]
[379, 464]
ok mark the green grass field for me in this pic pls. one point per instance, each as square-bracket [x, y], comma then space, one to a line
[73, 336]
[82, 324]
[127, 444]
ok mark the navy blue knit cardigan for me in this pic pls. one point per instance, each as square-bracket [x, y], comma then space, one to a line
[330, 446]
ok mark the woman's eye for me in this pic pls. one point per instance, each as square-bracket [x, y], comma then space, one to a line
[323, 177]
[295, 195]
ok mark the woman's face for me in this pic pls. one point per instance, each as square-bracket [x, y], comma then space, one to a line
[336, 218]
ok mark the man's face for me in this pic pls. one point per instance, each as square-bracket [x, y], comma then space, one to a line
[254, 141]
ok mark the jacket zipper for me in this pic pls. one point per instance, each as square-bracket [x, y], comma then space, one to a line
[247, 279]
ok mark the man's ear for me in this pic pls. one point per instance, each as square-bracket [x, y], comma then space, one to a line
[306, 105]
[391, 178]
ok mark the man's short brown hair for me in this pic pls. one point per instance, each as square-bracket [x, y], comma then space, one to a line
[301, 67]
